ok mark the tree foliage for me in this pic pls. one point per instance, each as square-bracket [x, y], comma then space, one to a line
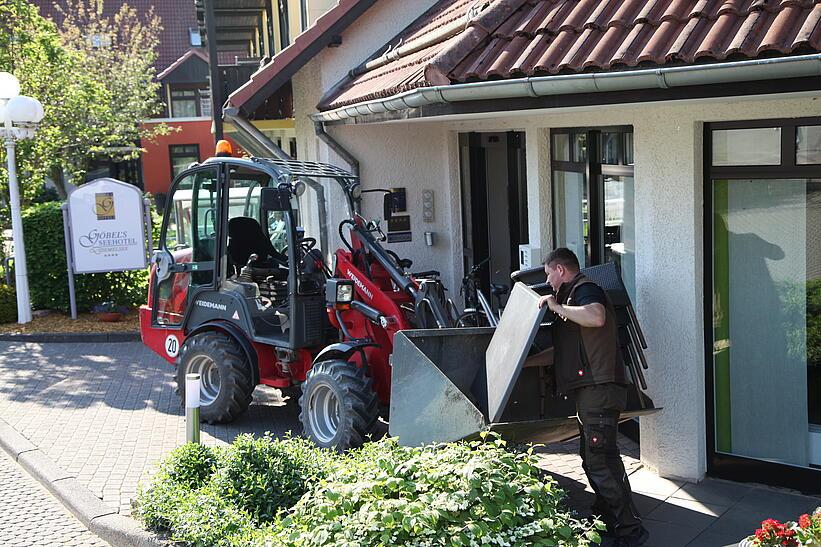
[94, 75]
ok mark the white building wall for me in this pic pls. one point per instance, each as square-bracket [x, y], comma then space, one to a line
[668, 203]
[668, 151]
[413, 156]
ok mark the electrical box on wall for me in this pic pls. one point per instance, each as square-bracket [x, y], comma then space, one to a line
[529, 256]
[427, 206]
[400, 200]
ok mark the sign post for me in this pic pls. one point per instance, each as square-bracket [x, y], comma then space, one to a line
[105, 223]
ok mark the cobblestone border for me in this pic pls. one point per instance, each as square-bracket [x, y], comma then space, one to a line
[70, 337]
[98, 517]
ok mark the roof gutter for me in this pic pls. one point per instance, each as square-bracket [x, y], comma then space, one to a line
[542, 86]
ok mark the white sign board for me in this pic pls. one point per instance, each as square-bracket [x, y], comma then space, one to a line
[107, 227]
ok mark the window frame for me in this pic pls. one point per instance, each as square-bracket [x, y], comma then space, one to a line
[593, 170]
[172, 155]
[197, 89]
[721, 464]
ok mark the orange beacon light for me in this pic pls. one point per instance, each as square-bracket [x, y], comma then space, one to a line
[223, 149]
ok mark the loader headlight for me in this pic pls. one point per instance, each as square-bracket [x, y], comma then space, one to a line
[339, 292]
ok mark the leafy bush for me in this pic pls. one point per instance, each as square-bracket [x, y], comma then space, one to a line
[46, 260]
[8, 304]
[455, 494]
[186, 470]
[264, 476]
[288, 492]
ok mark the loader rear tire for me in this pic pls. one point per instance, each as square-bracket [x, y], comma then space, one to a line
[227, 384]
[338, 407]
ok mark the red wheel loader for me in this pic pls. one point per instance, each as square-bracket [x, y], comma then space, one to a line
[238, 290]
[241, 293]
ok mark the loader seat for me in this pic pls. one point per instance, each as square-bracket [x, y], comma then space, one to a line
[245, 237]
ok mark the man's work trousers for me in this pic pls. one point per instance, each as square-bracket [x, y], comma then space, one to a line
[598, 409]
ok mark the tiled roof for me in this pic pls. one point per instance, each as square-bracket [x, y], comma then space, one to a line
[504, 39]
[179, 62]
[268, 79]
[176, 17]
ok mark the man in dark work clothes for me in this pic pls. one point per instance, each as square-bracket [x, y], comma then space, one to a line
[588, 365]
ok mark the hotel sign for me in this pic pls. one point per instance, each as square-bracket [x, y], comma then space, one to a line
[107, 227]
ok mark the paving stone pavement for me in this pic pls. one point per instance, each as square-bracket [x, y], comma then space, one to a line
[30, 516]
[107, 413]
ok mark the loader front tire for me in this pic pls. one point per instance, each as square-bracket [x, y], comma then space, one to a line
[227, 384]
[338, 407]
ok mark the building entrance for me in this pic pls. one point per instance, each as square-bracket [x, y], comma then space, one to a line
[494, 203]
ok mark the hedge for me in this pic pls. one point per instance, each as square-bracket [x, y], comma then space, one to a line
[289, 492]
[46, 261]
[8, 304]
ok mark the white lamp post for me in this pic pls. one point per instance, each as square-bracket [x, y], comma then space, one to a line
[19, 116]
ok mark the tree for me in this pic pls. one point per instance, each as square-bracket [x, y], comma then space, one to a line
[95, 77]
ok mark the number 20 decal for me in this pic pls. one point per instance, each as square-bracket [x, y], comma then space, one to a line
[172, 345]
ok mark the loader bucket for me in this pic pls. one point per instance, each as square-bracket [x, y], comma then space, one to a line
[451, 384]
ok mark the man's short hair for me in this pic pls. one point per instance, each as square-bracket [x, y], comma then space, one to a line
[563, 256]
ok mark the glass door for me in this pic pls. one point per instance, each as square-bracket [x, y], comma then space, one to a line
[187, 246]
[593, 197]
[764, 283]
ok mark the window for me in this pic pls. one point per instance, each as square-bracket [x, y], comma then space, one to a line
[190, 102]
[205, 102]
[189, 235]
[182, 155]
[593, 197]
[763, 298]
[194, 37]
[184, 103]
[754, 146]
[808, 145]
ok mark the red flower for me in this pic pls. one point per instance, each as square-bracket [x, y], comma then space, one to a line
[804, 521]
[769, 524]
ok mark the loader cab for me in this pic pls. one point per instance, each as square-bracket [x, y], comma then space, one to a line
[232, 251]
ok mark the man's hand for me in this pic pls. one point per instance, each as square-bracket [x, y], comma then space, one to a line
[589, 315]
[551, 303]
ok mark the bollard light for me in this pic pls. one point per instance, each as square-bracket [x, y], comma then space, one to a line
[192, 408]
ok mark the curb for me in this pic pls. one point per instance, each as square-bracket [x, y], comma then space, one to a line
[98, 517]
[72, 337]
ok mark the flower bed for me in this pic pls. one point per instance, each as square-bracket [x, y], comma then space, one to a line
[288, 492]
[805, 532]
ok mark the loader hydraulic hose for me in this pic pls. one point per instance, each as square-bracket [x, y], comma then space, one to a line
[382, 257]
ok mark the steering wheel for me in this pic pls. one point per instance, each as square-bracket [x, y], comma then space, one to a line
[308, 243]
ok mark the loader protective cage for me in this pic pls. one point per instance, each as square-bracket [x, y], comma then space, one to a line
[310, 169]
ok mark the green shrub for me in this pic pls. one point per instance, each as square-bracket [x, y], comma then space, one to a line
[8, 304]
[288, 492]
[186, 470]
[206, 519]
[454, 494]
[265, 476]
[46, 260]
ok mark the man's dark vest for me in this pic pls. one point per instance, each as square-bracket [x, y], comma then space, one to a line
[585, 356]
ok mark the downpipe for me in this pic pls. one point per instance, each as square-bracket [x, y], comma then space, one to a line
[333, 144]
